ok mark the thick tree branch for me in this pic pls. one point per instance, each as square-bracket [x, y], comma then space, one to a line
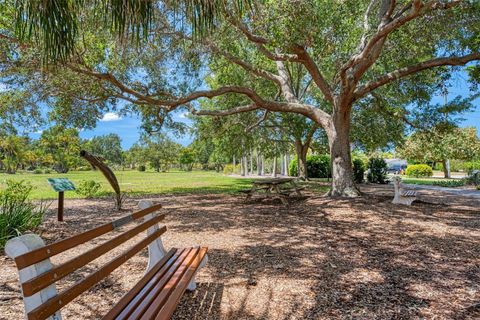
[258, 123]
[317, 76]
[310, 134]
[309, 111]
[222, 113]
[403, 72]
[114, 81]
[366, 24]
[260, 42]
[285, 82]
[386, 26]
[252, 95]
[248, 67]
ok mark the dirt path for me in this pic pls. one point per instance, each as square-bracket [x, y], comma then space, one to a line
[319, 258]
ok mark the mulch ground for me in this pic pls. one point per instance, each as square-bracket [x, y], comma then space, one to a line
[318, 258]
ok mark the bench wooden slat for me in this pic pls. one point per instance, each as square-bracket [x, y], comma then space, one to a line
[38, 283]
[48, 251]
[291, 190]
[144, 285]
[56, 303]
[167, 290]
[125, 306]
[169, 307]
[137, 311]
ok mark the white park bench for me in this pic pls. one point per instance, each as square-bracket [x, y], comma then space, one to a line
[402, 196]
[154, 296]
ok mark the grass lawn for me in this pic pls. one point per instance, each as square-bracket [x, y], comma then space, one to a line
[135, 182]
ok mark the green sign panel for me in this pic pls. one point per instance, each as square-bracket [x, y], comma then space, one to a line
[61, 184]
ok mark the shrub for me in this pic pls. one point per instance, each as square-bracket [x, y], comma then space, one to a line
[47, 171]
[377, 171]
[358, 170]
[318, 166]
[449, 183]
[474, 178]
[142, 168]
[419, 170]
[471, 166]
[17, 213]
[293, 168]
[37, 171]
[88, 188]
[85, 168]
[229, 169]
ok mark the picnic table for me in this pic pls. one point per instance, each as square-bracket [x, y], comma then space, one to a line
[280, 188]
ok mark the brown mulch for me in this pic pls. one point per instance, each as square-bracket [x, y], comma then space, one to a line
[318, 258]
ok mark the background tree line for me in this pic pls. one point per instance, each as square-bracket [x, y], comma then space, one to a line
[58, 149]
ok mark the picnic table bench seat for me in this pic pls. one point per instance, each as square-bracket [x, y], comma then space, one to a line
[291, 190]
[154, 296]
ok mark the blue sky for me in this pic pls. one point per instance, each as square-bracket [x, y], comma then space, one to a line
[128, 127]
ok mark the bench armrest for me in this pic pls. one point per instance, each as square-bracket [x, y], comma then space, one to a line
[156, 250]
[24, 244]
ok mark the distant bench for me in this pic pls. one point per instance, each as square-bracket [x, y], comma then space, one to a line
[154, 296]
[402, 196]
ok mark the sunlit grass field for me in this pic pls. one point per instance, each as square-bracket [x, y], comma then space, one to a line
[135, 182]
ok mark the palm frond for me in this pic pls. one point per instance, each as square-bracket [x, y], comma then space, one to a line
[54, 24]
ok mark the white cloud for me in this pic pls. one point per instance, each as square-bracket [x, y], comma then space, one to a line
[184, 115]
[110, 116]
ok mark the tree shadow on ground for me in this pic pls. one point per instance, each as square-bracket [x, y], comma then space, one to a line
[317, 258]
[366, 258]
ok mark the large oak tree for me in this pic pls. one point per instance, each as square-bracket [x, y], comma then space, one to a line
[350, 50]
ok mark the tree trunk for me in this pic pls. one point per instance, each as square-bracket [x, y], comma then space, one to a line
[242, 172]
[262, 172]
[341, 161]
[259, 169]
[251, 162]
[274, 170]
[234, 164]
[302, 151]
[245, 163]
[446, 168]
[282, 165]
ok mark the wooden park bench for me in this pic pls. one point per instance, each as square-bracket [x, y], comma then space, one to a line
[402, 196]
[154, 296]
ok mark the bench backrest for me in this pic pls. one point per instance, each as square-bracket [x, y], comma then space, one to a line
[38, 276]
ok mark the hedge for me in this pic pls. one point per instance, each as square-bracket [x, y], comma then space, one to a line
[419, 170]
[318, 166]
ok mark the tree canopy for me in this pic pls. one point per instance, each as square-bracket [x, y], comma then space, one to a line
[333, 63]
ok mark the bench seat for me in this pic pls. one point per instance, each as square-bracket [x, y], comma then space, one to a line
[291, 190]
[157, 294]
[409, 193]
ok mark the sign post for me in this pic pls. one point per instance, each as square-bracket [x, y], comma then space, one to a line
[61, 185]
